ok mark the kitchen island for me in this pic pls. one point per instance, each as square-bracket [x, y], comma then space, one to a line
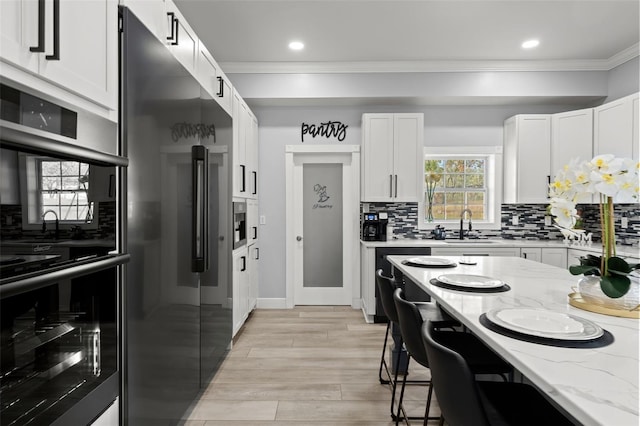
[595, 386]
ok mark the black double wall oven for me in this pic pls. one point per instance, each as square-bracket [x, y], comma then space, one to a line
[60, 261]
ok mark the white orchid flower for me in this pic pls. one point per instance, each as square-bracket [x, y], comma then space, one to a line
[564, 211]
[606, 183]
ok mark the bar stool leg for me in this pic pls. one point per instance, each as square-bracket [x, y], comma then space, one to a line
[383, 362]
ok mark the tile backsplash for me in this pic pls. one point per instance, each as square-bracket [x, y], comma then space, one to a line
[403, 217]
[11, 223]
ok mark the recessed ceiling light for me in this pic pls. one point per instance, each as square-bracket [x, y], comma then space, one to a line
[296, 45]
[530, 44]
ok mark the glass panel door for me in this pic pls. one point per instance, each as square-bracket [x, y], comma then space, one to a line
[322, 225]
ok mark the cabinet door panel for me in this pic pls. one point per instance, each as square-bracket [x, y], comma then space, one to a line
[572, 137]
[19, 32]
[407, 154]
[186, 49]
[613, 128]
[88, 50]
[533, 157]
[377, 157]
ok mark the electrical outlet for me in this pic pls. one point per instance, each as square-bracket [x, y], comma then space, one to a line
[365, 207]
[263, 220]
[515, 220]
[624, 222]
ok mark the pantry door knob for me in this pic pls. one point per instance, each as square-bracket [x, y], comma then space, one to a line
[298, 238]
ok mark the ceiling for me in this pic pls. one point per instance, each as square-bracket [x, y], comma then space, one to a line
[418, 35]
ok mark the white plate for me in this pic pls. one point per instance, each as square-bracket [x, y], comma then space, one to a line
[431, 261]
[471, 281]
[544, 323]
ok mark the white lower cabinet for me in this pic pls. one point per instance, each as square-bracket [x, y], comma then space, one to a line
[240, 288]
[549, 256]
[554, 256]
[531, 253]
[368, 281]
[253, 259]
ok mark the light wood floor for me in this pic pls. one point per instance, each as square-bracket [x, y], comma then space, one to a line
[315, 366]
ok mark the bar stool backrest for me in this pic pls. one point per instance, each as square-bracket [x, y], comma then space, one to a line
[453, 382]
[410, 322]
[386, 287]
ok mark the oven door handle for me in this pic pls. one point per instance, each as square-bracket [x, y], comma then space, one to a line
[199, 222]
[19, 284]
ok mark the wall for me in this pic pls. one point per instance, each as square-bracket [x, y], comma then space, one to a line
[280, 126]
[624, 80]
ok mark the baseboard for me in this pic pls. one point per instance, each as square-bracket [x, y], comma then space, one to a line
[272, 303]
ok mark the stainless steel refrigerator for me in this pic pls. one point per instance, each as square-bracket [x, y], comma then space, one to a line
[177, 318]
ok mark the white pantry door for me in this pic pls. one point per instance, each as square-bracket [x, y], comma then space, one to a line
[322, 224]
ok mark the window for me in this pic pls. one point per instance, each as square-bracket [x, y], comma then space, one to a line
[62, 188]
[55, 185]
[458, 178]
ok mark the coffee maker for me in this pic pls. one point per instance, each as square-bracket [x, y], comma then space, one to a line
[374, 226]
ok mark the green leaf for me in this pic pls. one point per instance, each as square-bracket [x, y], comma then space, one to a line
[615, 286]
[619, 273]
[582, 269]
[618, 264]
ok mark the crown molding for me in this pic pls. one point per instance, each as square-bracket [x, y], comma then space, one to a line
[429, 66]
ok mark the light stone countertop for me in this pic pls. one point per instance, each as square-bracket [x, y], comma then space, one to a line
[498, 242]
[596, 386]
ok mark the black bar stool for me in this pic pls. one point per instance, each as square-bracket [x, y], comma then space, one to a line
[428, 311]
[480, 358]
[464, 401]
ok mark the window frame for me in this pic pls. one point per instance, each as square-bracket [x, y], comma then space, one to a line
[493, 183]
[30, 193]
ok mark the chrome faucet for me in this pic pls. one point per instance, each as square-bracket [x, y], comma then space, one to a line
[44, 223]
[462, 221]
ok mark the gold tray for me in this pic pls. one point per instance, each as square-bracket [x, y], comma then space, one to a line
[576, 300]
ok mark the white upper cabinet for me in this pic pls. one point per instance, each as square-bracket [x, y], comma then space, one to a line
[72, 44]
[240, 122]
[181, 39]
[571, 137]
[213, 79]
[613, 127]
[392, 153]
[252, 156]
[153, 14]
[527, 158]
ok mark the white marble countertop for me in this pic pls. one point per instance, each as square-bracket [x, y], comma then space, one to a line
[596, 386]
[498, 242]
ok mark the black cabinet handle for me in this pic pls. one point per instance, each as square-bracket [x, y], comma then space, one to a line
[40, 46]
[220, 93]
[548, 185]
[255, 232]
[56, 32]
[396, 186]
[390, 186]
[255, 182]
[173, 37]
[244, 183]
[244, 263]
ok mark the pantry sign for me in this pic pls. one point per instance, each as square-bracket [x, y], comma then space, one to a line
[329, 129]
